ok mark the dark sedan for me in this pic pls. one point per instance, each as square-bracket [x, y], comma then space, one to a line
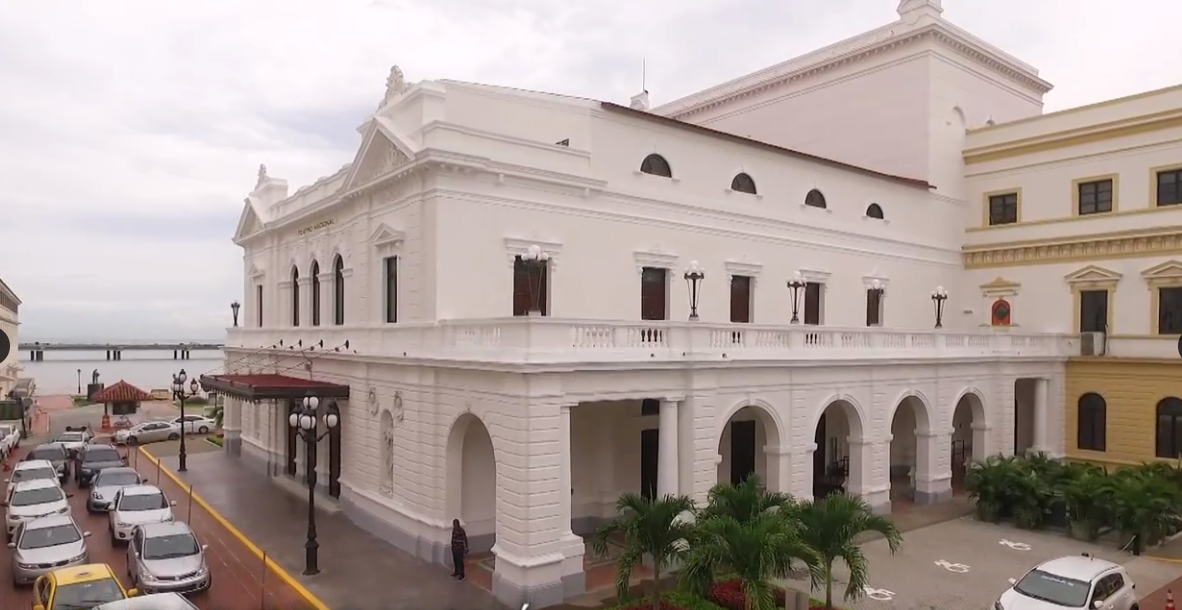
[93, 458]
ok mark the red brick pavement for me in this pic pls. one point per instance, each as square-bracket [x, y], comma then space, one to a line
[1157, 599]
[241, 581]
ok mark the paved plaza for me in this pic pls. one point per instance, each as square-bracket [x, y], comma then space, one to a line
[964, 565]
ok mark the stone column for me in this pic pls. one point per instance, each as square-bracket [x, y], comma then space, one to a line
[232, 425]
[667, 457]
[1041, 416]
[933, 473]
[779, 468]
[869, 474]
[305, 287]
[574, 580]
[326, 294]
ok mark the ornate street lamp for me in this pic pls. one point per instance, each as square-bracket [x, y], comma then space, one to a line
[693, 278]
[536, 262]
[234, 307]
[796, 284]
[939, 295]
[181, 393]
[304, 423]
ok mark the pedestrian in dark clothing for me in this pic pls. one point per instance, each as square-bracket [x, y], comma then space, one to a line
[459, 548]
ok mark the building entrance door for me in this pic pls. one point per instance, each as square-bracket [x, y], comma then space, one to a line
[742, 450]
[649, 459]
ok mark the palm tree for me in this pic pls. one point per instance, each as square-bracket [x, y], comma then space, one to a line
[745, 501]
[830, 527]
[754, 550]
[650, 526]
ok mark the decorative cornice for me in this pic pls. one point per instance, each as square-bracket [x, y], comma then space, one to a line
[1139, 244]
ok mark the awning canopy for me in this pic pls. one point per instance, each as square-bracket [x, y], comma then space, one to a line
[271, 387]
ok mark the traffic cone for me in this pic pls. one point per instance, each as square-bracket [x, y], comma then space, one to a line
[1170, 599]
[8, 467]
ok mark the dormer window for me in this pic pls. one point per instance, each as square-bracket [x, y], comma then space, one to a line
[814, 199]
[656, 165]
[743, 184]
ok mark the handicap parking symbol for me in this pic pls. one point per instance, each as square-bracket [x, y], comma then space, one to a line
[1017, 546]
[881, 595]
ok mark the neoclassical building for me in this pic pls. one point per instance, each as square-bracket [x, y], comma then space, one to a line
[10, 326]
[524, 304]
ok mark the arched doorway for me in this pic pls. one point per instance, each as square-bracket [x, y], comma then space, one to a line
[907, 456]
[472, 481]
[968, 437]
[837, 462]
[743, 444]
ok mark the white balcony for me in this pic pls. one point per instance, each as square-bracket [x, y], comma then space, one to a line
[558, 341]
[1142, 347]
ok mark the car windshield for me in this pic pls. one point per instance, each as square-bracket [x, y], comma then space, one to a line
[170, 547]
[47, 453]
[87, 595]
[32, 497]
[1053, 589]
[102, 455]
[49, 536]
[69, 437]
[33, 474]
[108, 478]
[143, 502]
[5, 430]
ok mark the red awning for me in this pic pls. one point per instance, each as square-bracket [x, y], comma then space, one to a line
[121, 392]
[271, 387]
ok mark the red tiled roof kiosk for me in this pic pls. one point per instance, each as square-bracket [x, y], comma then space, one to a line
[122, 398]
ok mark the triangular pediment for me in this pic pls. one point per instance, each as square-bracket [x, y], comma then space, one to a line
[385, 236]
[1169, 270]
[1000, 283]
[249, 222]
[382, 151]
[1092, 274]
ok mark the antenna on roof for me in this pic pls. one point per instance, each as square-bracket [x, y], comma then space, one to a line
[644, 74]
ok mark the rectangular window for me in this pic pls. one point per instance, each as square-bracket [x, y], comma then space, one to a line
[812, 303]
[1095, 197]
[1003, 209]
[258, 304]
[873, 307]
[654, 293]
[523, 289]
[391, 283]
[1169, 311]
[1093, 311]
[741, 299]
[315, 294]
[1169, 187]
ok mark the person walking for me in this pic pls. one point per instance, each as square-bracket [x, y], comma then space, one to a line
[459, 548]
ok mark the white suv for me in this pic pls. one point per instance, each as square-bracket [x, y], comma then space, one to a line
[1078, 581]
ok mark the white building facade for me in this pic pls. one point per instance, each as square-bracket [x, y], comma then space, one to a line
[10, 366]
[524, 397]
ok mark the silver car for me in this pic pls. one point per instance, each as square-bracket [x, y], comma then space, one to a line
[106, 484]
[148, 432]
[74, 439]
[156, 601]
[137, 505]
[43, 545]
[166, 557]
[31, 500]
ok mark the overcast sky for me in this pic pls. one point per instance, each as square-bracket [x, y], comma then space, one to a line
[131, 131]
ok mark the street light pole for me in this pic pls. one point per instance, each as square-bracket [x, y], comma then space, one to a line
[796, 284]
[304, 423]
[79, 381]
[693, 278]
[178, 391]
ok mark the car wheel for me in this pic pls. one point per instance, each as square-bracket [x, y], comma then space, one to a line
[131, 440]
[172, 436]
[203, 430]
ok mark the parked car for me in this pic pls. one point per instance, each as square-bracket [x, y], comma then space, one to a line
[106, 485]
[1075, 581]
[92, 459]
[167, 557]
[74, 588]
[45, 544]
[31, 470]
[74, 439]
[155, 601]
[196, 424]
[148, 432]
[54, 453]
[10, 438]
[31, 500]
[137, 505]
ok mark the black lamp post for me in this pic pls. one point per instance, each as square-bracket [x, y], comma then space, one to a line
[536, 262]
[796, 284]
[693, 278]
[234, 307]
[79, 381]
[939, 295]
[304, 423]
[179, 391]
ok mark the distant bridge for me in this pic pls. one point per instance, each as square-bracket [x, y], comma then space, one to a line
[180, 351]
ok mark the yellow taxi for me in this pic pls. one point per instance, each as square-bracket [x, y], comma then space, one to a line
[79, 588]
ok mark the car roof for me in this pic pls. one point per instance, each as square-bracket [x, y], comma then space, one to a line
[48, 446]
[117, 470]
[1080, 567]
[50, 521]
[93, 446]
[35, 484]
[141, 490]
[33, 464]
[168, 528]
[83, 573]
[155, 601]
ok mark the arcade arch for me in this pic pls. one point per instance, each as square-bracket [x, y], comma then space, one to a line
[747, 438]
[968, 436]
[910, 450]
[471, 494]
[839, 438]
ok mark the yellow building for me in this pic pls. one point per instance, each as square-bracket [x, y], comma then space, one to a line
[1080, 231]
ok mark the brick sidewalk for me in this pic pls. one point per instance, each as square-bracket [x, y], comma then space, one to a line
[1157, 599]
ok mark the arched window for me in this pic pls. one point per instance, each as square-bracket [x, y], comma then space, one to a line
[743, 183]
[338, 291]
[815, 199]
[315, 293]
[1093, 422]
[656, 165]
[874, 211]
[1169, 428]
[295, 296]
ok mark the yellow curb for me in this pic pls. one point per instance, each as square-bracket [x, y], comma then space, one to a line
[1165, 559]
[303, 592]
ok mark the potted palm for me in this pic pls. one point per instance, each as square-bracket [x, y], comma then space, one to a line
[831, 527]
[1087, 499]
[988, 485]
[650, 527]
[1144, 506]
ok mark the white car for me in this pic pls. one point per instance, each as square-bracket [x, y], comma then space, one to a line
[31, 470]
[1076, 581]
[197, 424]
[74, 439]
[137, 505]
[33, 499]
[148, 432]
[10, 438]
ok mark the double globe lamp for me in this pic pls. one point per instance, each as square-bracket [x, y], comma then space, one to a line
[303, 421]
